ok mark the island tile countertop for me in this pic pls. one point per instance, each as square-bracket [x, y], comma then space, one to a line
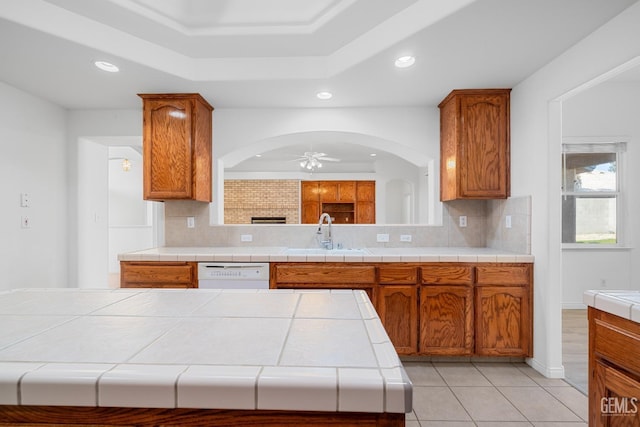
[281, 254]
[314, 350]
[625, 304]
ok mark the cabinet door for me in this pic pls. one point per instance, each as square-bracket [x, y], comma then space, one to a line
[484, 168]
[167, 149]
[347, 191]
[503, 321]
[177, 146]
[397, 307]
[446, 320]
[616, 401]
[310, 207]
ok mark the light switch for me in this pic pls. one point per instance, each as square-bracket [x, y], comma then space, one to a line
[191, 222]
[463, 220]
[507, 221]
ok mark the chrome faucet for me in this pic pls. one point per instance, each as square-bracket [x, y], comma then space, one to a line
[327, 243]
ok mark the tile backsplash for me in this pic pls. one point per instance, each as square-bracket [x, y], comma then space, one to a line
[486, 227]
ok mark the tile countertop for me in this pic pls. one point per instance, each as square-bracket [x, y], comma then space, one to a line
[279, 254]
[622, 303]
[199, 348]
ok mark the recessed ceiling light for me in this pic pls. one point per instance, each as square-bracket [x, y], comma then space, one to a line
[106, 66]
[405, 61]
[258, 155]
[373, 154]
[324, 95]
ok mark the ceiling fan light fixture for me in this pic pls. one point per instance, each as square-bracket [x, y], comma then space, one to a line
[405, 61]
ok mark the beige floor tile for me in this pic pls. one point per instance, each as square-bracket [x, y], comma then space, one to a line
[411, 416]
[447, 424]
[540, 379]
[572, 399]
[412, 424]
[487, 404]
[461, 374]
[423, 374]
[503, 424]
[505, 374]
[558, 424]
[537, 404]
[438, 404]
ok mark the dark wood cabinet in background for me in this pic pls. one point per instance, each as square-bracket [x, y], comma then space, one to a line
[348, 202]
[475, 144]
[177, 132]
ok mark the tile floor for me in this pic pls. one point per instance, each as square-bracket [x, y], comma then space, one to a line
[486, 394]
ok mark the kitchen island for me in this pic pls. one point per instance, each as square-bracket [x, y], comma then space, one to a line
[614, 357]
[197, 357]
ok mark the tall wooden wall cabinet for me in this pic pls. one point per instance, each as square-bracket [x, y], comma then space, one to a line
[177, 132]
[475, 144]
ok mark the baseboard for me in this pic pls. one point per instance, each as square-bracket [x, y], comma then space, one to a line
[548, 372]
[573, 306]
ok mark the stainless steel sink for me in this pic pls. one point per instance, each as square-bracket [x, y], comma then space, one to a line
[320, 251]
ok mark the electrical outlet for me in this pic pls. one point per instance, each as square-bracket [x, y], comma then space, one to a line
[25, 221]
[24, 200]
[382, 238]
[246, 237]
[405, 237]
[507, 221]
[463, 220]
[191, 222]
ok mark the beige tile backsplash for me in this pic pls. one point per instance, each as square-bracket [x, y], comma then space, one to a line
[486, 227]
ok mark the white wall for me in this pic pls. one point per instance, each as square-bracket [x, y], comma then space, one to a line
[536, 136]
[606, 110]
[90, 132]
[32, 160]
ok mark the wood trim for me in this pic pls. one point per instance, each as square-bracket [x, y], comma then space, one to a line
[101, 416]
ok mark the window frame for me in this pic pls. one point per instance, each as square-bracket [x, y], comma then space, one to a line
[618, 146]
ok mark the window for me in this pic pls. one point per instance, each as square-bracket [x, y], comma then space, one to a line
[591, 197]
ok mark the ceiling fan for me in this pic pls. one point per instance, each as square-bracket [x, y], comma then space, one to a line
[312, 160]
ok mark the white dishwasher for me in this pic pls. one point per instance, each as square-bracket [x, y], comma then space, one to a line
[233, 275]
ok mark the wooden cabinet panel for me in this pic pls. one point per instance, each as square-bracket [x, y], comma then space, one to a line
[503, 321]
[446, 320]
[176, 147]
[397, 307]
[475, 144]
[503, 275]
[394, 274]
[614, 369]
[158, 274]
[325, 273]
[365, 202]
[447, 274]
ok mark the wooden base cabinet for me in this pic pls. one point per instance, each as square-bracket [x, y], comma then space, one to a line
[446, 320]
[152, 274]
[445, 309]
[614, 370]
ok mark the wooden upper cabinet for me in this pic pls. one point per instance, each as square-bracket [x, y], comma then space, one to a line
[475, 144]
[347, 202]
[177, 132]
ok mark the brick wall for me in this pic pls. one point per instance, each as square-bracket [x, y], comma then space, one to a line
[244, 199]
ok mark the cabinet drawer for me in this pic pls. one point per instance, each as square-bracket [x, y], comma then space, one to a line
[326, 274]
[617, 340]
[503, 275]
[397, 275]
[180, 272]
[449, 275]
